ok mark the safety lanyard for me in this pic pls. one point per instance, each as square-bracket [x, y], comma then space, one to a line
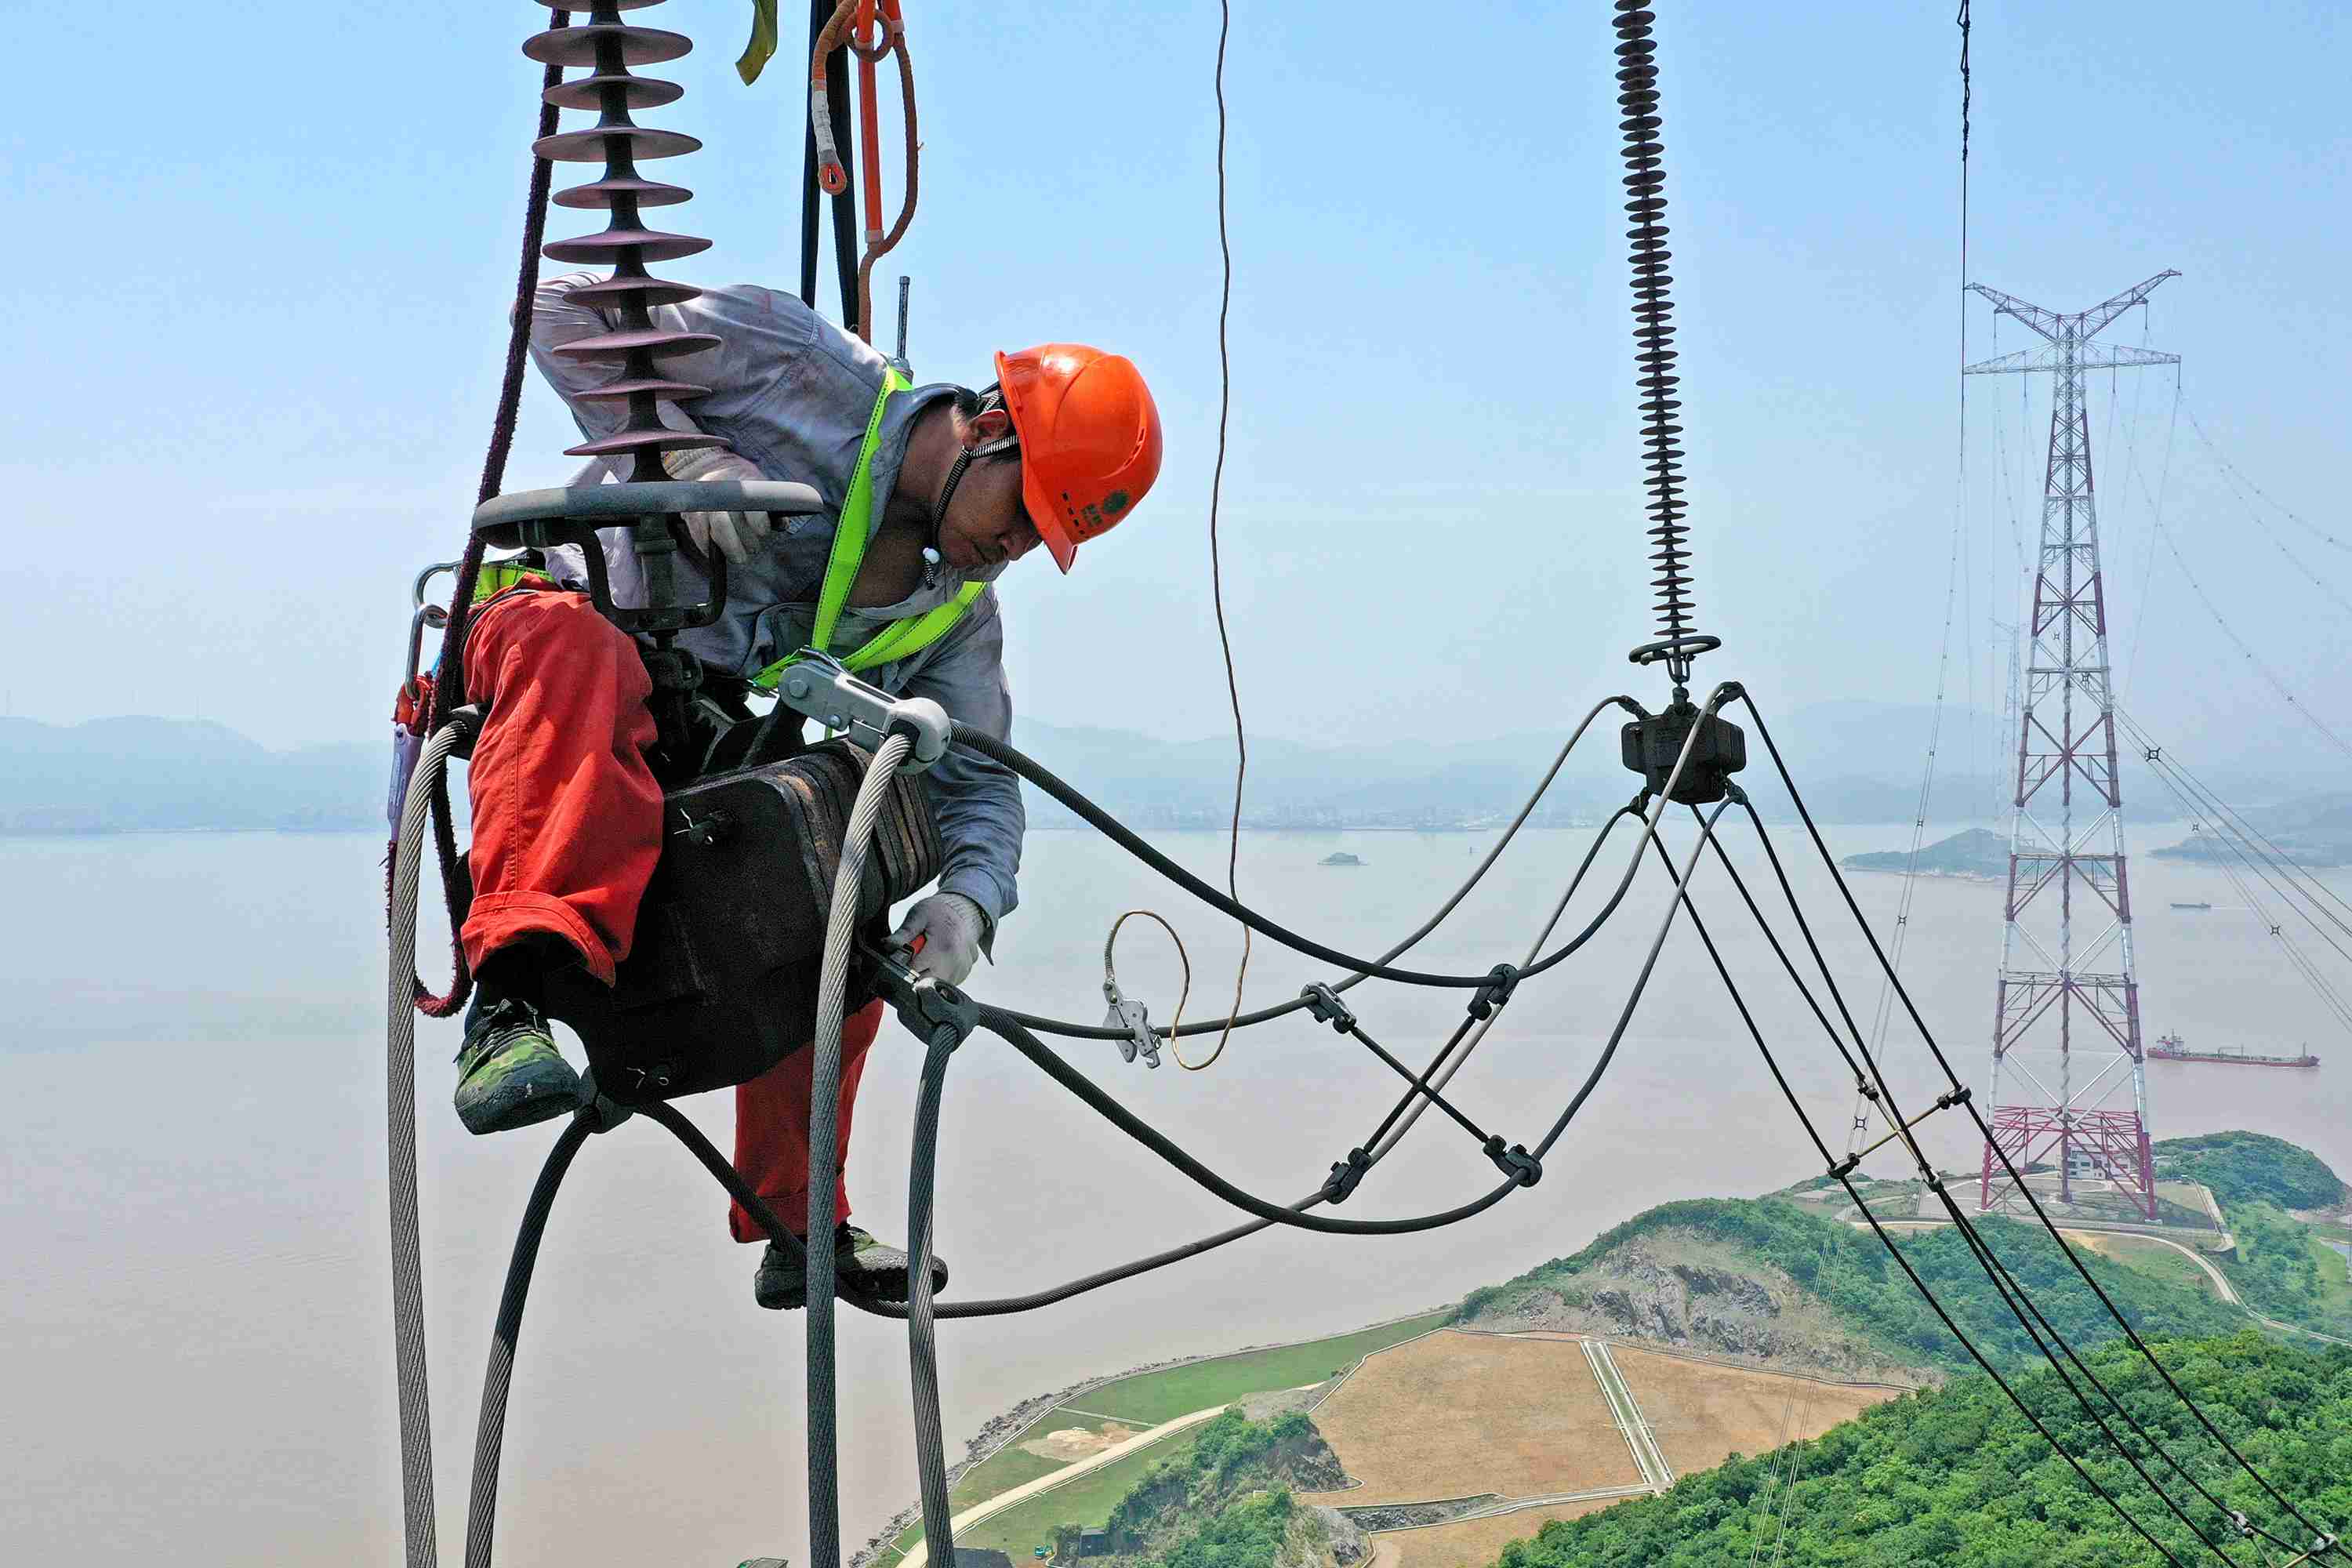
[902, 638]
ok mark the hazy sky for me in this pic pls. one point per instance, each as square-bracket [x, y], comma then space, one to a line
[264, 254]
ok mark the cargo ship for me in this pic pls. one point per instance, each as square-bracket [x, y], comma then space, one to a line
[2179, 905]
[2172, 1049]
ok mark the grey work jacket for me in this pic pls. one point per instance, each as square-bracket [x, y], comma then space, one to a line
[793, 393]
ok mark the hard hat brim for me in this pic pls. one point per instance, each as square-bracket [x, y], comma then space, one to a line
[1043, 508]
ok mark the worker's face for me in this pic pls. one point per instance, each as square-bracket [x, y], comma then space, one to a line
[986, 521]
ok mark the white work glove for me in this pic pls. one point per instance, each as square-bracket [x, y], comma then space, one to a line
[951, 926]
[738, 534]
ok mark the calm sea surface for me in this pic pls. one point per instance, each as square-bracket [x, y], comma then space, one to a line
[194, 1364]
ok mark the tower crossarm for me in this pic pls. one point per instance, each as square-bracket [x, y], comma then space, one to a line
[2081, 327]
[2088, 356]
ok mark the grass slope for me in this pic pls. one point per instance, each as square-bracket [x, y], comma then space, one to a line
[1144, 1400]
[1957, 1477]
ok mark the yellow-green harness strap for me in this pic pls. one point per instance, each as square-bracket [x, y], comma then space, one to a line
[902, 638]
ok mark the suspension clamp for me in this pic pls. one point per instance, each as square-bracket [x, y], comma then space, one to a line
[1515, 1162]
[930, 1009]
[1345, 1175]
[821, 686]
[597, 1111]
[1325, 1003]
[1652, 746]
[1950, 1098]
[1501, 981]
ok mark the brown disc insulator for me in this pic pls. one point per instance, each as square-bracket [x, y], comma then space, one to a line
[644, 289]
[610, 140]
[628, 386]
[601, 193]
[606, 46]
[649, 443]
[589, 92]
[652, 342]
[626, 300]
[617, 245]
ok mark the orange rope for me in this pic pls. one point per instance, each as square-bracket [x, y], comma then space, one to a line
[850, 20]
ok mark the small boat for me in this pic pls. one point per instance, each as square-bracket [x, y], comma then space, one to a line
[1338, 858]
[2179, 905]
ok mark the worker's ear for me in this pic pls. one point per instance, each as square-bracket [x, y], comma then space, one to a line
[991, 424]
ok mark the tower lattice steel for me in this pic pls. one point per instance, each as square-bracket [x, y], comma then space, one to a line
[2066, 1029]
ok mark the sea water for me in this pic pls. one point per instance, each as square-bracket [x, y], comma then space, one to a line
[195, 1359]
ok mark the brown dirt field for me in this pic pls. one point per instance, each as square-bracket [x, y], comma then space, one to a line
[1474, 1543]
[1069, 1444]
[1703, 1414]
[1453, 1415]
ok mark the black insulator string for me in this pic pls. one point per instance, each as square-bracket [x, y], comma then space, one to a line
[1984, 1130]
[1653, 332]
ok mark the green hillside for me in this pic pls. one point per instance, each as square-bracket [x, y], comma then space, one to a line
[1790, 1252]
[1228, 1503]
[2251, 1167]
[1957, 1477]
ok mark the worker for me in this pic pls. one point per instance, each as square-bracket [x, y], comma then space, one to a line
[929, 492]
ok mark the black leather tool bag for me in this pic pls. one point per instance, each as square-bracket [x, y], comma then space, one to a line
[720, 982]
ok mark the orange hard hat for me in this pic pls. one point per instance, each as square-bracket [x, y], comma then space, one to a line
[1089, 436]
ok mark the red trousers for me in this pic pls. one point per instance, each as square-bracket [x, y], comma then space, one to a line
[567, 826]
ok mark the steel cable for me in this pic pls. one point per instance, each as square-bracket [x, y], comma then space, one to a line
[922, 1345]
[490, 1431]
[1987, 1261]
[1126, 838]
[1831, 1164]
[825, 1152]
[400, 1150]
[1984, 1130]
[1412, 939]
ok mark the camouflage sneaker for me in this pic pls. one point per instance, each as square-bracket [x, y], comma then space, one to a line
[510, 1073]
[873, 1267]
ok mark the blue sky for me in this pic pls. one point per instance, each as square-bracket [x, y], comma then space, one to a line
[264, 253]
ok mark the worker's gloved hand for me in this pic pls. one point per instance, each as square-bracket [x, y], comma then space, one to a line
[738, 534]
[951, 927]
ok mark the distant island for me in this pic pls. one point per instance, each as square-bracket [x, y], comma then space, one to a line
[2314, 831]
[1977, 854]
[1339, 858]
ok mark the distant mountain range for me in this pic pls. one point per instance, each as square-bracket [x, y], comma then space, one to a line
[142, 774]
[1856, 761]
[2312, 832]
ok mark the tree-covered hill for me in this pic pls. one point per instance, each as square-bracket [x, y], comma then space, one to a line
[1732, 1276]
[1955, 1477]
[1226, 1502]
[2251, 1167]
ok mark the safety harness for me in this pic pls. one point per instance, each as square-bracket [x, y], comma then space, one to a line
[902, 638]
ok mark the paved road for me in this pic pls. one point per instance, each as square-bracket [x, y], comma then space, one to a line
[1655, 1472]
[1052, 1479]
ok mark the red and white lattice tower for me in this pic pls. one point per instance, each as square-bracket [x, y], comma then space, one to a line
[2066, 1030]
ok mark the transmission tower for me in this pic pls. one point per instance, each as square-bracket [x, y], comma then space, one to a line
[2066, 1032]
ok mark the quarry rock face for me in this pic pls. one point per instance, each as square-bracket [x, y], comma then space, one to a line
[1682, 1292]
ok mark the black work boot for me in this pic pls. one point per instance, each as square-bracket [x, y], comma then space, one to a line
[861, 1263]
